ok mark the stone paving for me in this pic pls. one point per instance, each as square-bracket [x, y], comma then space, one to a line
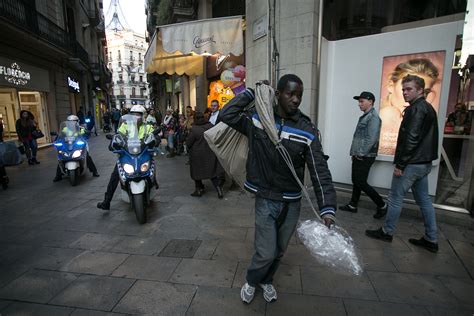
[60, 255]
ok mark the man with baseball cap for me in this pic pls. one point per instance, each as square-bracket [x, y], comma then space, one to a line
[365, 145]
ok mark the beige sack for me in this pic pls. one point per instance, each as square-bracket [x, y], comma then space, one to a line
[231, 148]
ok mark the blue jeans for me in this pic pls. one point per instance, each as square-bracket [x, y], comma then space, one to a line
[275, 223]
[170, 139]
[31, 147]
[416, 178]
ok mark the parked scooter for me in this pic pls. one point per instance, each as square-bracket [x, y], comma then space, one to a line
[72, 150]
[136, 167]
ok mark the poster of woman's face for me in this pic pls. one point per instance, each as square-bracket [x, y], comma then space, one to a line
[428, 66]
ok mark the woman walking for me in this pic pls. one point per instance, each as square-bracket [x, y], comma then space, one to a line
[204, 163]
[25, 126]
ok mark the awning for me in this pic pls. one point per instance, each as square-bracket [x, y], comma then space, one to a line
[179, 48]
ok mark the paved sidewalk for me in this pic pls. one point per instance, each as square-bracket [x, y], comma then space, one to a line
[60, 255]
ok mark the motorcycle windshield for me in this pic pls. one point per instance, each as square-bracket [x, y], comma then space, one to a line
[133, 131]
[69, 131]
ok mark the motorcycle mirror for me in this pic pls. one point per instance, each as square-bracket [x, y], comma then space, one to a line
[108, 136]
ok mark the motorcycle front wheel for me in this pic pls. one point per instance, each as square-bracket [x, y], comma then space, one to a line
[74, 176]
[138, 205]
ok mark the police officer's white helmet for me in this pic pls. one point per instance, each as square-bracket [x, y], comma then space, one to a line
[73, 118]
[138, 109]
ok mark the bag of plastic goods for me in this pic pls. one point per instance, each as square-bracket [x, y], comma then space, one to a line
[331, 247]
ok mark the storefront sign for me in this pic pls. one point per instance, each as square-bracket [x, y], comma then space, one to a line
[73, 84]
[17, 74]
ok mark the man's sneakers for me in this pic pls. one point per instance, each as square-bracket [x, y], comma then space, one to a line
[348, 208]
[381, 211]
[423, 243]
[269, 292]
[379, 234]
[247, 293]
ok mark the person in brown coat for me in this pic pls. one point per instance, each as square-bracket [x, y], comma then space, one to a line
[204, 163]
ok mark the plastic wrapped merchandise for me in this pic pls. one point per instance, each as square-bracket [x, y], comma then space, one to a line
[331, 247]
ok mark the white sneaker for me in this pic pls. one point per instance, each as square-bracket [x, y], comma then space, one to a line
[247, 293]
[269, 292]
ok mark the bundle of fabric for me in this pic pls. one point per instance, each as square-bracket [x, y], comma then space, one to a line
[9, 154]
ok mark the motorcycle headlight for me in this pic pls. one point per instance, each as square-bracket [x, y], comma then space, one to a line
[128, 168]
[76, 154]
[145, 166]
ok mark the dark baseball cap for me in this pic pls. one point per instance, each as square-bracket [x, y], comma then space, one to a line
[365, 95]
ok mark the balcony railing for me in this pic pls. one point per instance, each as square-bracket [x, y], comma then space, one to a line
[23, 15]
[121, 96]
[120, 81]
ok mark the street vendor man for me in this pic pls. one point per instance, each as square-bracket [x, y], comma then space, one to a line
[278, 194]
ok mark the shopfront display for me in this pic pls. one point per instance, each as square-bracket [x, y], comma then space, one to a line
[427, 65]
[23, 87]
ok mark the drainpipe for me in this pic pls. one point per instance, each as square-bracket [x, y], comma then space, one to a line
[269, 44]
[318, 59]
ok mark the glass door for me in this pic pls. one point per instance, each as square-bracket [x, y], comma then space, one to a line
[8, 113]
[33, 101]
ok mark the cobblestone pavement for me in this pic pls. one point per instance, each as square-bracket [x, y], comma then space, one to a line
[60, 255]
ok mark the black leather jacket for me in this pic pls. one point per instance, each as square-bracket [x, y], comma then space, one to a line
[268, 175]
[417, 141]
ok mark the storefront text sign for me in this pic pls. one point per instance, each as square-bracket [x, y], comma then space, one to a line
[14, 75]
[18, 74]
[73, 84]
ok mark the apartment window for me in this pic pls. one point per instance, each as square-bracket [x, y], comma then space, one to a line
[141, 93]
[141, 78]
[120, 77]
[132, 78]
[121, 91]
[119, 55]
[110, 55]
[133, 91]
[120, 64]
[140, 56]
[131, 55]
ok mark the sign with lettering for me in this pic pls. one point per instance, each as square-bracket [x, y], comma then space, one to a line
[17, 74]
[73, 84]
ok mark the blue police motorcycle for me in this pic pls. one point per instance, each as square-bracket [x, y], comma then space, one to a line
[71, 144]
[134, 146]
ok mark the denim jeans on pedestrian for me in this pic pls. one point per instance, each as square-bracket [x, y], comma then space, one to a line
[170, 141]
[273, 231]
[416, 178]
[31, 147]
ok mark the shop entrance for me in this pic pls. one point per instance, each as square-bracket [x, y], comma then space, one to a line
[34, 102]
[8, 113]
[12, 102]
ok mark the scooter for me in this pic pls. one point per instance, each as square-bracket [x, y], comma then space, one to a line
[72, 150]
[135, 164]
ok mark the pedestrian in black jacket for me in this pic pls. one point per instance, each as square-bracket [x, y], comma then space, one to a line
[203, 161]
[417, 147]
[278, 195]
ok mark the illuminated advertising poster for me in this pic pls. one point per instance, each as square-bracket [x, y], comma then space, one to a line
[428, 66]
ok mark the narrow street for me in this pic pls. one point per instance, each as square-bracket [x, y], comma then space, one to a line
[60, 255]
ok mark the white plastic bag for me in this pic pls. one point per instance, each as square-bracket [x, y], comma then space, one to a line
[331, 247]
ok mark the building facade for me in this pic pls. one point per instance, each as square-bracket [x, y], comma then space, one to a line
[51, 61]
[126, 50]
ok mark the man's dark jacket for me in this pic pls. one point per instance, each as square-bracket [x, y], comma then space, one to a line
[417, 141]
[268, 176]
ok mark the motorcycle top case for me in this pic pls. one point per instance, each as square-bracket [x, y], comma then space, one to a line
[9, 154]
